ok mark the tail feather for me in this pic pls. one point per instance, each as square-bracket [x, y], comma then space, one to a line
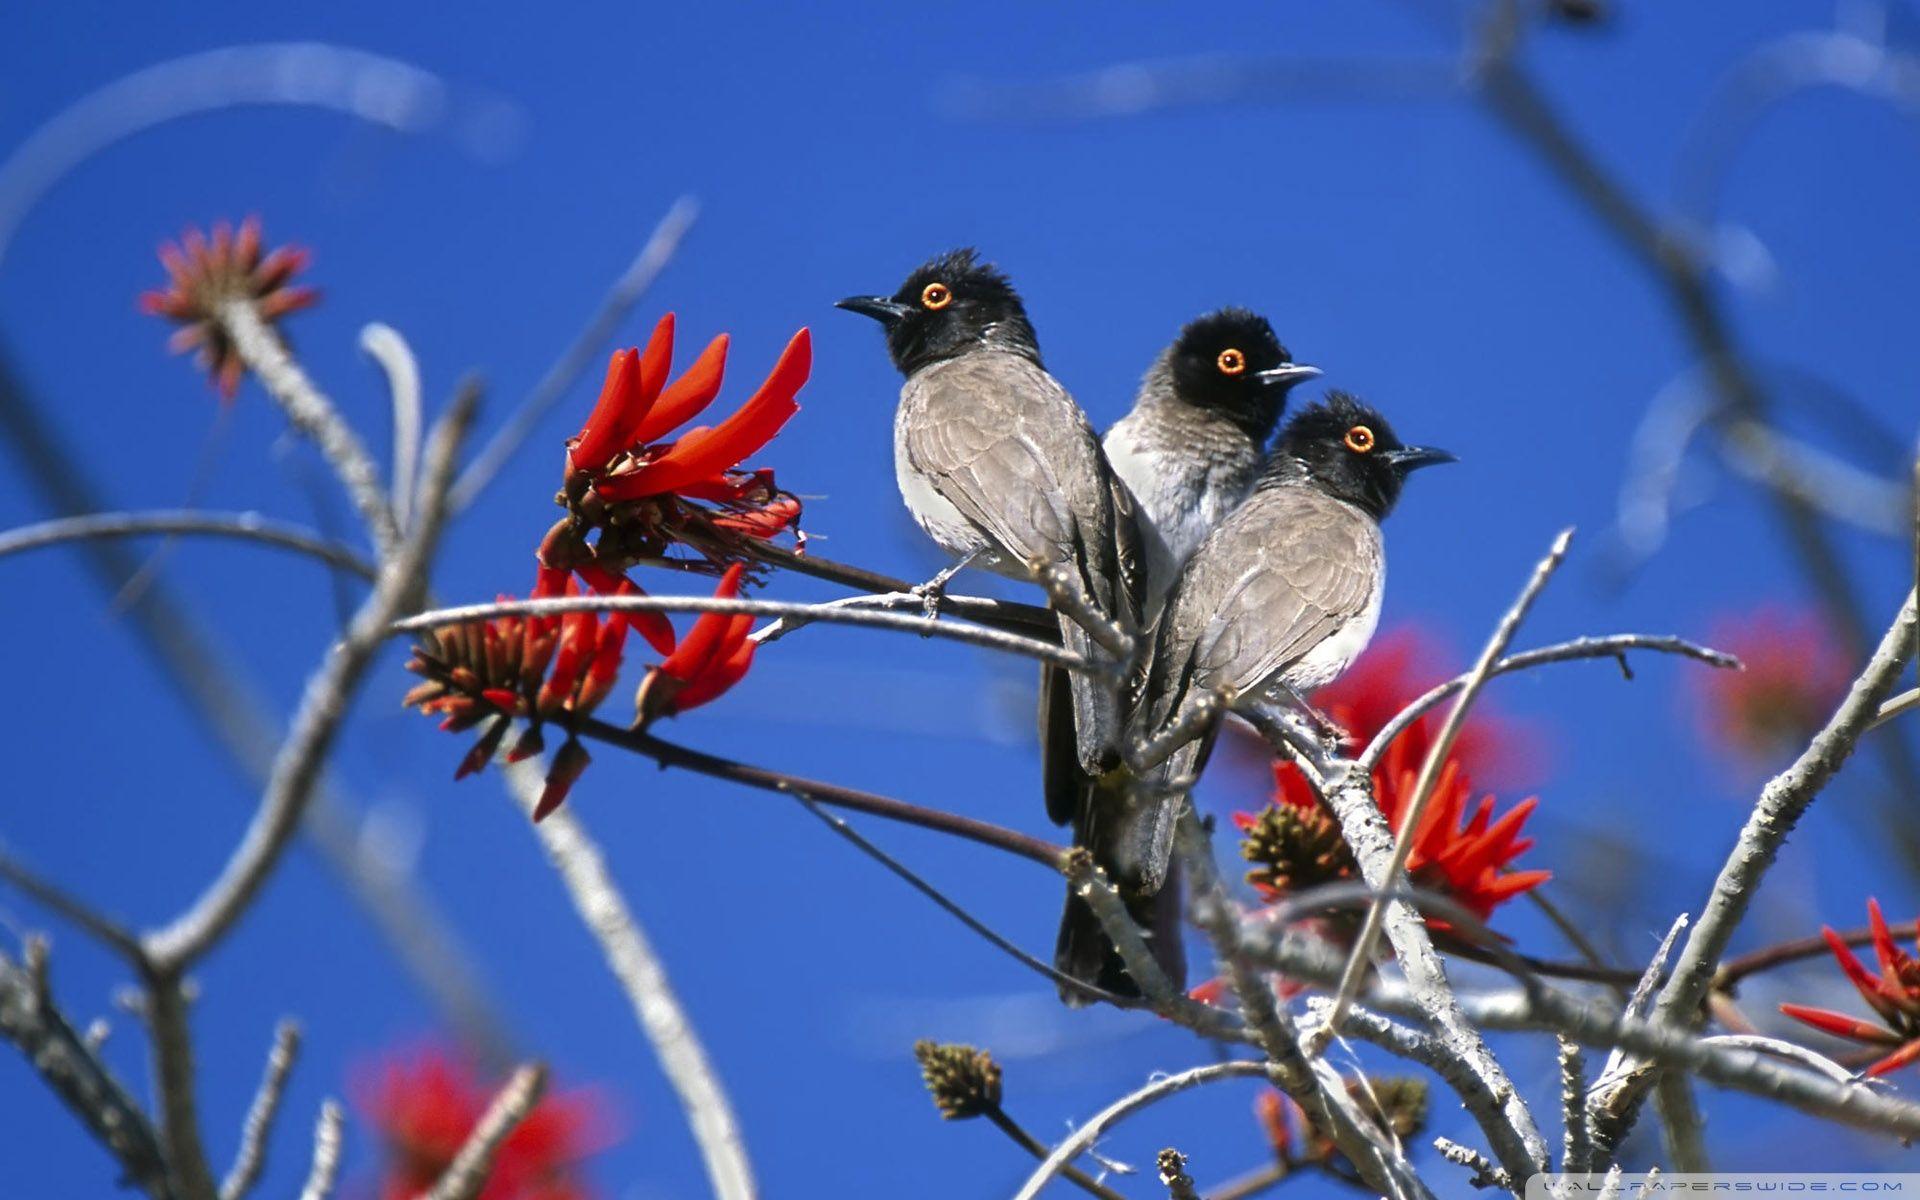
[1084, 952]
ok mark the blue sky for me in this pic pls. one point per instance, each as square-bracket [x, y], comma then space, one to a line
[1410, 248]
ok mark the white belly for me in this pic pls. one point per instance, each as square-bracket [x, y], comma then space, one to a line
[935, 514]
[1325, 662]
[1182, 502]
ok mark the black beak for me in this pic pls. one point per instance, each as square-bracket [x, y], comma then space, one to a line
[881, 308]
[1412, 458]
[1286, 375]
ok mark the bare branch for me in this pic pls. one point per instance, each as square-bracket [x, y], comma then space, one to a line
[467, 1173]
[322, 710]
[671, 754]
[1032, 619]
[314, 415]
[244, 526]
[991, 639]
[631, 958]
[1782, 802]
[1090, 883]
[73, 1071]
[1485, 1174]
[251, 1159]
[326, 1154]
[1035, 1147]
[386, 347]
[1503, 634]
[1613, 646]
[661, 245]
[1576, 1154]
[106, 930]
[1089, 1132]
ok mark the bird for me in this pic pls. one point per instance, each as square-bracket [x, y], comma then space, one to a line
[1002, 469]
[1189, 451]
[1197, 434]
[1278, 599]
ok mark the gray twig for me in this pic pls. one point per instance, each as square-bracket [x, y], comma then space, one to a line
[385, 345]
[70, 1067]
[578, 861]
[1485, 1174]
[1496, 646]
[1091, 884]
[323, 708]
[314, 415]
[1576, 1154]
[326, 1154]
[1613, 646]
[467, 1173]
[992, 639]
[245, 526]
[661, 245]
[252, 1156]
[1782, 802]
[1089, 1132]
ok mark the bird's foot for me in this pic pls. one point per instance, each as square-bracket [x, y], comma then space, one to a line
[934, 590]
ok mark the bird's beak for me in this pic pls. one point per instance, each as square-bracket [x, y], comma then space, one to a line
[881, 308]
[1287, 374]
[1412, 458]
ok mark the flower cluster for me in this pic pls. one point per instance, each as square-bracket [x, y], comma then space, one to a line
[964, 1081]
[206, 272]
[1893, 994]
[425, 1102]
[630, 497]
[1460, 849]
[1795, 676]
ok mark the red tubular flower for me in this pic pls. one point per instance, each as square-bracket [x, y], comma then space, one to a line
[425, 1102]
[1795, 677]
[713, 657]
[536, 669]
[207, 272]
[1893, 994]
[1459, 850]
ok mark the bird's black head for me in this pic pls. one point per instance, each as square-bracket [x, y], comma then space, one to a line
[1347, 449]
[948, 306]
[1229, 361]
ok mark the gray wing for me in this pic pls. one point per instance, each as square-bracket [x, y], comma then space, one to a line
[1004, 443]
[1288, 569]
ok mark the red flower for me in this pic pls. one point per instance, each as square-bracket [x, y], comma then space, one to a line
[1459, 849]
[713, 657]
[1796, 675]
[630, 496]
[538, 669]
[425, 1103]
[207, 273]
[1893, 994]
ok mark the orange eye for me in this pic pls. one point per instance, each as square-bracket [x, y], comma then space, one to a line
[1231, 362]
[935, 296]
[1359, 439]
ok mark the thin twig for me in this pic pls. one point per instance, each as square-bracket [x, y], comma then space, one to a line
[251, 1158]
[212, 685]
[671, 754]
[73, 1071]
[1787, 1050]
[992, 639]
[1613, 646]
[661, 245]
[1782, 802]
[966, 918]
[1091, 884]
[1089, 1132]
[630, 956]
[386, 347]
[1503, 634]
[1768, 957]
[1038, 1149]
[1576, 1153]
[1485, 1173]
[468, 1172]
[102, 928]
[244, 526]
[314, 415]
[322, 710]
[326, 1154]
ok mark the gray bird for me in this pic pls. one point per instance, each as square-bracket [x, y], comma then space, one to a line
[1280, 598]
[1189, 451]
[1197, 435]
[1001, 468]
